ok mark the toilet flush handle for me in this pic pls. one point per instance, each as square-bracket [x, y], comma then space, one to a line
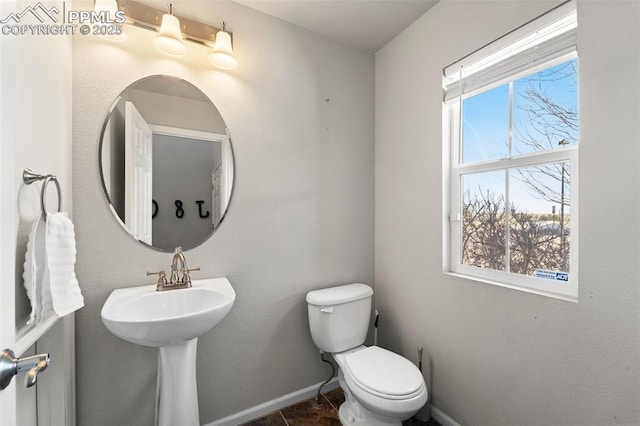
[327, 309]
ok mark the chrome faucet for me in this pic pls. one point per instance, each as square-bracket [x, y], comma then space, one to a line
[178, 255]
[175, 282]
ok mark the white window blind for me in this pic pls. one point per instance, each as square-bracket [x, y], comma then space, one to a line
[535, 45]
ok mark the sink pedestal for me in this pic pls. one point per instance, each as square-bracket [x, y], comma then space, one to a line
[177, 392]
[171, 321]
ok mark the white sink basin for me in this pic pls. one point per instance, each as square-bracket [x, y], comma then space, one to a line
[148, 317]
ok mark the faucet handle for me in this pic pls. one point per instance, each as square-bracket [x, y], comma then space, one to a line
[186, 278]
[162, 277]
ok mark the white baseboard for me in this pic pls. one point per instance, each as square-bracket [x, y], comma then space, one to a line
[273, 405]
[300, 395]
[442, 418]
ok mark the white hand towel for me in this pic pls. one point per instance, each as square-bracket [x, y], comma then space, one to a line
[60, 247]
[33, 270]
[36, 274]
[49, 275]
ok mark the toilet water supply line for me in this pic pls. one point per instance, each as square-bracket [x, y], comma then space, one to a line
[375, 329]
[333, 373]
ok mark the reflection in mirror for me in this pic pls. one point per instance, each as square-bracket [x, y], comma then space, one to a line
[167, 163]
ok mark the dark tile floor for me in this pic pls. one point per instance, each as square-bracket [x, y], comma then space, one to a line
[307, 413]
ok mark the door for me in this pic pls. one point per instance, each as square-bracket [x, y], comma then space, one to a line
[7, 214]
[138, 163]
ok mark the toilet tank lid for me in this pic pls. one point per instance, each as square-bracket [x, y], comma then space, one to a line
[340, 294]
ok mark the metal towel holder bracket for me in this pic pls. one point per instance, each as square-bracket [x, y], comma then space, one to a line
[29, 177]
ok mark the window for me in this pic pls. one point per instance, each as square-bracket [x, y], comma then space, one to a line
[511, 131]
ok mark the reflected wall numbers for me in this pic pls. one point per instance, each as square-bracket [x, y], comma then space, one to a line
[166, 163]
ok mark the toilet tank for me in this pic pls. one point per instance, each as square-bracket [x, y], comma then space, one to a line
[339, 316]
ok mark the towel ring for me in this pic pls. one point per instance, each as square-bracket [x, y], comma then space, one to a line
[29, 177]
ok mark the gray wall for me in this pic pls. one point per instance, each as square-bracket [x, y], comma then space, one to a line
[501, 356]
[182, 170]
[41, 144]
[300, 112]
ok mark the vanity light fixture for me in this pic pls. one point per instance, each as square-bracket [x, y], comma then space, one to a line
[222, 55]
[173, 30]
[169, 38]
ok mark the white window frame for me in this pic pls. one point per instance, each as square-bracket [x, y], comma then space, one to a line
[480, 76]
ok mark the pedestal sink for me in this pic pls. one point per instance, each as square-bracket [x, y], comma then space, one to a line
[172, 321]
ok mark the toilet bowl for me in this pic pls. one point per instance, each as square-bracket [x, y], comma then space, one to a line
[384, 387]
[381, 388]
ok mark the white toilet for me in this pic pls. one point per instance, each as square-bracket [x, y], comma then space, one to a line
[381, 388]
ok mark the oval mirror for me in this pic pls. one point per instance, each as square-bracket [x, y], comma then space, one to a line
[166, 163]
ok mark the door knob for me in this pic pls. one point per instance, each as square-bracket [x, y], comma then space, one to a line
[11, 366]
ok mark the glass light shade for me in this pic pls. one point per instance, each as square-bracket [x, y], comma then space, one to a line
[169, 38]
[110, 7]
[222, 56]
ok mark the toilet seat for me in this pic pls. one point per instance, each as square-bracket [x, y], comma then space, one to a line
[383, 373]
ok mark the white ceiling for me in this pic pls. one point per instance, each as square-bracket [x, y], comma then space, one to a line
[364, 24]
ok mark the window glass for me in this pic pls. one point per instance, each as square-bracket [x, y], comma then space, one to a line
[483, 223]
[539, 219]
[545, 109]
[485, 132]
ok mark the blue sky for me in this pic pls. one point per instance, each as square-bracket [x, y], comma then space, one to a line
[486, 131]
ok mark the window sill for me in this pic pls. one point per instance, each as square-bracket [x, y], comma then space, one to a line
[539, 292]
